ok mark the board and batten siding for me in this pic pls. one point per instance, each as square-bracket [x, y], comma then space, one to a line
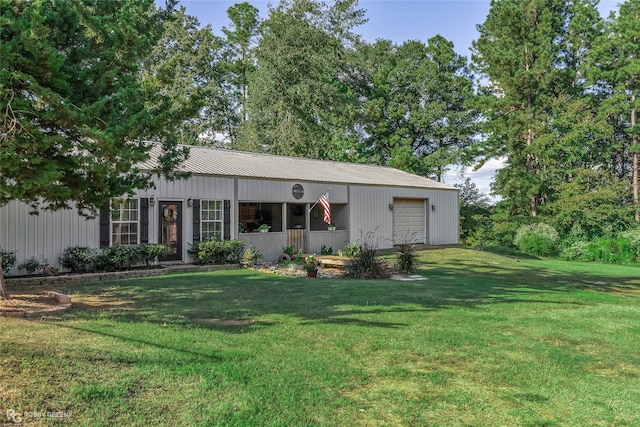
[195, 187]
[46, 235]
[369, 212]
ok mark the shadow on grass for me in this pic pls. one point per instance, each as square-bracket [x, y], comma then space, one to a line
[245, 301]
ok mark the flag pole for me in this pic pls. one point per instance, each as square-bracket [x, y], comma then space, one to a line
[314, 205]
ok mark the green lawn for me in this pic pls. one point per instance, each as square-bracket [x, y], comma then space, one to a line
[486, 341]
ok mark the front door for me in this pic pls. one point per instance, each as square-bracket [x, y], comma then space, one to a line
[171, 229]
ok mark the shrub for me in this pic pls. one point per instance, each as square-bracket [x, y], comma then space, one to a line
[536, 239]
[8, 259]
[149, 252]
[80, 259]
[119, 257]
[250, 256]
[220, 251]
[577, 251]
[34, 265]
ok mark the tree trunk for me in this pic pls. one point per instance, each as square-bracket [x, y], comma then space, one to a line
[635, 163]
[3, 289]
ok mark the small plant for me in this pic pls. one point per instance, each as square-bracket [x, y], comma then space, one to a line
[250, 257]
[350, 250]
[326, 251]
[8, 260]
[299, 258]
[264, 228]
[406, 257]
[288, 250]
[310, 263]
[34, 265]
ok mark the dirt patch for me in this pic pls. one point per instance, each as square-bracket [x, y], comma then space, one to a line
[30, 305]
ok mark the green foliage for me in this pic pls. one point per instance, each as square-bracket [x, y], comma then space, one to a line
[406, 257]
[118, 258]
[537, 239]
[350, 250]
[75, 115]
[250, 256]
[621, 249]
[8, 260]
[324, 250]
[150, 252]
[595, 201]
[33, 265]
[366, 264]
[288, 250]
[80, 259]
[220, 251]
[414, 110]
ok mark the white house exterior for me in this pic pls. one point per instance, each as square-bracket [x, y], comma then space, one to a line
[230, 194]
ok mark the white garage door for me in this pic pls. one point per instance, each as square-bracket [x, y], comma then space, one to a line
[409, 221]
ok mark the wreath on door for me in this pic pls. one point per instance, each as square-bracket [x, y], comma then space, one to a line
[170, 214]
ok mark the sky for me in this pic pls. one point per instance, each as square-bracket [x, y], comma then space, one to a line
[400, 21]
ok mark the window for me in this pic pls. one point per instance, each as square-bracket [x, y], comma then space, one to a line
[211, 219]
[253, 215]
[124, 222]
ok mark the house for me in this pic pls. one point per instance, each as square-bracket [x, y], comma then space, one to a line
[231, 194]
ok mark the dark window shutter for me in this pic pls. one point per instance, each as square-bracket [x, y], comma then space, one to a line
[196, 220]
[226, 218]
[105, 223]
[144, 220]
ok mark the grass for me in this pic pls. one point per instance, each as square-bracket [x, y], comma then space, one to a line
[488, 340]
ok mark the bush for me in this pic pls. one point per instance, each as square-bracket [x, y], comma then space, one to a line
[118, 258]
[536, 239]
[220, 251]
[80, 259]
[250, 257]
[8, 259]
[149, 252]
[34, 265]
[577, 251]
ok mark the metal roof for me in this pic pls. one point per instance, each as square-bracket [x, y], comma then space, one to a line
[239, 164]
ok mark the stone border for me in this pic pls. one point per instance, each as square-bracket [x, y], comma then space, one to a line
[114, 275]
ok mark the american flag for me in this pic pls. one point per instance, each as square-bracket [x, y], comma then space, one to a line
[324, 202]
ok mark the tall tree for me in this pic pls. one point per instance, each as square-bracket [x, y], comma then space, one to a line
[241, 38]
[616, 73]
[297, 89]
[184, 68]
[414, 110]
[518, 51]
[74, 109]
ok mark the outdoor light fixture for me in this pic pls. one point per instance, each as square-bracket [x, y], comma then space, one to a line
[390, 206]
[433, 208]
[152, 202]
[190, 202]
